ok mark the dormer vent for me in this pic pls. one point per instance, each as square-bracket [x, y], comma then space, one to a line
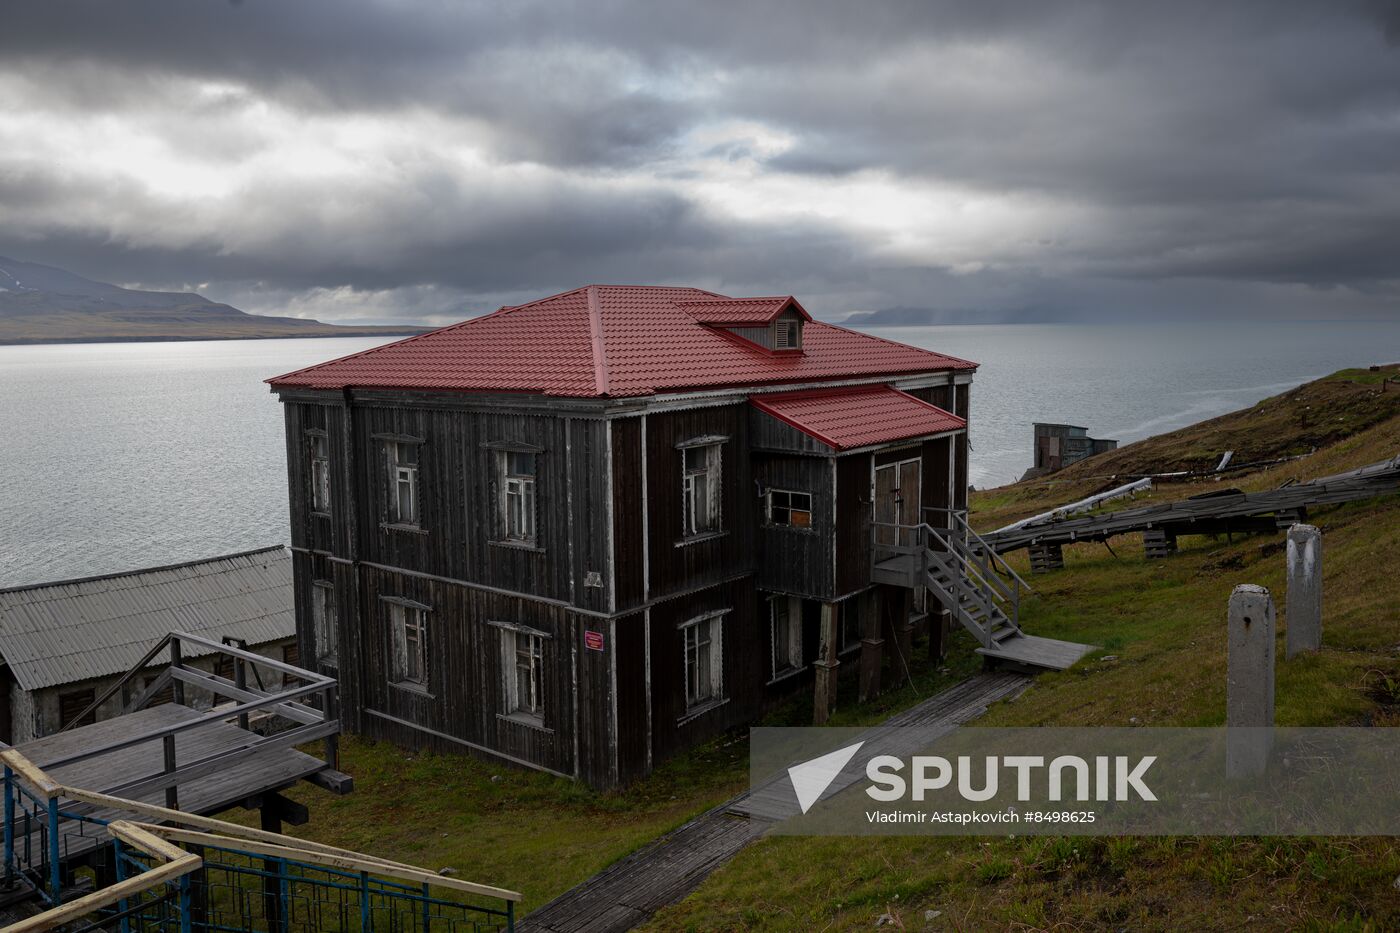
[787, 335]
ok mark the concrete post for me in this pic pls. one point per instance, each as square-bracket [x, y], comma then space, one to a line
[826, 664]
[1249, 689]
[872, 645]
[1304, 597]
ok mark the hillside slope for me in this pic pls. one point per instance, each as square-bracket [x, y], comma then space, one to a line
[1162, 663]
[44, 304]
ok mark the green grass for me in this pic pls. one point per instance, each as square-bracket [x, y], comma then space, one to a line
[1162, 662]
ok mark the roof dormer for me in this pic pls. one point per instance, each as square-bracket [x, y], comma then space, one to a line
[772, 324]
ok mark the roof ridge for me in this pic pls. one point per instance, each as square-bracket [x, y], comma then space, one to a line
[600, 352]
[140, 570]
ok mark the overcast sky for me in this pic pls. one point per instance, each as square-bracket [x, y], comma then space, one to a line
[433, 160]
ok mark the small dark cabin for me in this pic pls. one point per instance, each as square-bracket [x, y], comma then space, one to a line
[584, 533]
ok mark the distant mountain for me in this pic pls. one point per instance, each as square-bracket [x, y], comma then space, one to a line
[42, 304]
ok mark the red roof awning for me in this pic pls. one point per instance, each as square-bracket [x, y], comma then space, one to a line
[858, 416]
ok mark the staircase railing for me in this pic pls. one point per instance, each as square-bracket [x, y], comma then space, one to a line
[172, 870]
[972, 579]
[991, 564]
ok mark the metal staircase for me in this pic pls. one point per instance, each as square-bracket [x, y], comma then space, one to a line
[974, 583]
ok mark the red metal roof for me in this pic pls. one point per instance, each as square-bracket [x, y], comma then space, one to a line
[858, 416]
[609, 340]
[732, 312]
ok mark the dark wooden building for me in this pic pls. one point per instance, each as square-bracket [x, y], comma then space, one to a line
[584, 533]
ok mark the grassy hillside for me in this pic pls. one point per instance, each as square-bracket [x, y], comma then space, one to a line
[1161, 625]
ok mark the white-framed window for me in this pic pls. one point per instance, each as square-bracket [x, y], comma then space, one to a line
[403, 483]
[320, 454]
[518, 470]
[787, 335]
[786, 507]
[700, 488]
[703, 641]
[323, 619]
[409, 628]
[522, 660]
[785, 630]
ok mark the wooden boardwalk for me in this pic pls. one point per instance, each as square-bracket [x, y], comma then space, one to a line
[1209, 513]
[625, 894]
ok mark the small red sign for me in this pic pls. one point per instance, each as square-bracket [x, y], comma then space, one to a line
[593, 640]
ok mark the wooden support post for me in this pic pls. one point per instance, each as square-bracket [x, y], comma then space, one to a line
[940, 630]
[1249, 688]
[1304, 598]
[177, 662]
[902, 630]
[872, 645]
[172, 793]
[1158, 543]
[1046, 557]
[270, 821]
[826, 664]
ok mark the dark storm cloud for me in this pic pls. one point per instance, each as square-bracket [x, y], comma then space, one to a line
[1165, 146]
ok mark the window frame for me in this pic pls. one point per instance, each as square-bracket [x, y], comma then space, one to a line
[519, 495]
[324, 622]
[319, 475]
[408, 634]
[512, 641]
[792, 612]
[712, 475]
[708, 631]
[398, 470]
[789, 509]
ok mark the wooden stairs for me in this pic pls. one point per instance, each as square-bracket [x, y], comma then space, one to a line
[977, 587]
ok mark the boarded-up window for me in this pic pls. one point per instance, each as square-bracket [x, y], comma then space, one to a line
[72, 704]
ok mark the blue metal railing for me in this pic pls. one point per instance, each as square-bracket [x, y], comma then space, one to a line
[226, 889]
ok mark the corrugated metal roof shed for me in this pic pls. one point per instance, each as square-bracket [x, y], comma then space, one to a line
[73, 630]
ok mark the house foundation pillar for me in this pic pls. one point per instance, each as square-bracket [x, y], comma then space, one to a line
[872, 645]
[826, 666]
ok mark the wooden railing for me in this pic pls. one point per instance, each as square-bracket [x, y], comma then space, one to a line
[232, 699]
[375, 887]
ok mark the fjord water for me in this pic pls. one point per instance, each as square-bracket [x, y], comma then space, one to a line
[118, 456]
